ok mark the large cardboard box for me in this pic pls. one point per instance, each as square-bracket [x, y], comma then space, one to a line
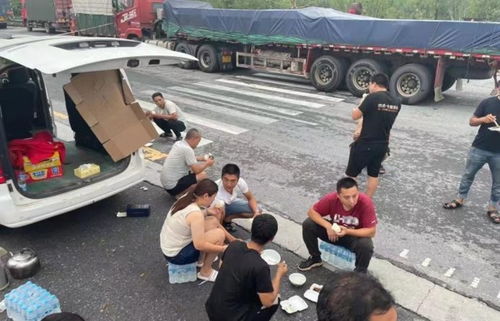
[105, 101]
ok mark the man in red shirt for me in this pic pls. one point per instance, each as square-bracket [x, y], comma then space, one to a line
[353, 212]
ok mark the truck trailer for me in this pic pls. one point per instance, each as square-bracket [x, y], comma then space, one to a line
[334, 49]
[51, 15]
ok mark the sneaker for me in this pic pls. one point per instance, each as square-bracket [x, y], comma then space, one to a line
[310, 263]
[166, 135]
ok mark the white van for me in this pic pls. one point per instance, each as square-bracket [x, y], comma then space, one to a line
[26, 109]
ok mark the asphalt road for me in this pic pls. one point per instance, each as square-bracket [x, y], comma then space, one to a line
[292, 144]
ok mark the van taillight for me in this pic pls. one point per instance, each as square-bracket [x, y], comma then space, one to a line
[2, 178]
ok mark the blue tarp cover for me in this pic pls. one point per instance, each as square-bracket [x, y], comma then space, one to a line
[327, 26]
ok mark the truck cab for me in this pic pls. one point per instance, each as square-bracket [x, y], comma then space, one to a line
[27, 113]
[136, 19]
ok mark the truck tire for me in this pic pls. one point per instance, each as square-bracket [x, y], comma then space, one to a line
[49, 29]
[327, 73]
[359, 73]
[448, 82]
[184, 48]
[412, 83]
[29, 28]
[208, 59]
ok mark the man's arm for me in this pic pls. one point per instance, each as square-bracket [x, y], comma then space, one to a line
[172, 116]
[201, 166]
[268, 298]
[362, 232]
[476, 121]
[252, 202]
[356, 113]
[318, 219]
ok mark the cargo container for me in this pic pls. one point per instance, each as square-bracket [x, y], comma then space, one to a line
[51, 15]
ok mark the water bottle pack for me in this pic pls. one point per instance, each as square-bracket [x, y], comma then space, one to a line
[30, 302]
[337, 256]
[181, 273]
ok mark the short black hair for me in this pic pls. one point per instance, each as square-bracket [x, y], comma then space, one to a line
[380, 79]
[352, 296]
[231, 169]
[193, 133]
[63, 316]
[264, 228]
[156, 94]
[346, 182]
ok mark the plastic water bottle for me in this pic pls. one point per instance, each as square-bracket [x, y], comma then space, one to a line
[21, 181]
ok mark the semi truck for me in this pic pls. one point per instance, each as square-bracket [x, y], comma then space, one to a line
[50, 15]
[334, 49]
[130, 19]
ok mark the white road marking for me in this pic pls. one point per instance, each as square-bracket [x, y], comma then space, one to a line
[404, 253]
[426, 262]
[283, 83]
[217, 125]
[260, 95]
[450, 272]
[280, 90]
[498, 296]
[475, 282]
[237, 101]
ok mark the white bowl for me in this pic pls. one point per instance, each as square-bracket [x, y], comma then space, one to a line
[297, 279]
[271, 257]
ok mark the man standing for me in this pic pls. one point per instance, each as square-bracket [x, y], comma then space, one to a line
[379, 111]
[244, 290]
[182, 168]
[229, 185]
[485, 149]
[353, 212]
[167, 115]
[351, 296]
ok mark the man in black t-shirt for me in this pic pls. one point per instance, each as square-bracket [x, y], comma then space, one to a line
[244, 290]
[485, 149]
[379, 111]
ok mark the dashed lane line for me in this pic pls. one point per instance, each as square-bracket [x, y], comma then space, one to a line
[404, 253]
[449, 272]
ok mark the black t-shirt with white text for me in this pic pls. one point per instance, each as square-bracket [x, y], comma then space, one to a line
[242, 275]
[379, 110]
[487, 139]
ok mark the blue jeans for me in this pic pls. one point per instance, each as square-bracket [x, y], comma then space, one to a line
[475, 161]
[238, 206]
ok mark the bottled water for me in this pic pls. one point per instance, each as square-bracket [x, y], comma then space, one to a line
[337, 256]
[21, 181]
[181, 273]
[30, 302]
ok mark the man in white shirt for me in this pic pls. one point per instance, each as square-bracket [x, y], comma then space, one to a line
[182, 168]
[229, 185]
[168, 116]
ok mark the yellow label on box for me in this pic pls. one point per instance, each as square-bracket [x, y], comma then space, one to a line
[52, 161]
[87, 170]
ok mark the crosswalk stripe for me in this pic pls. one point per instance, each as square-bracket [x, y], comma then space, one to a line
[280, 90]
[261, 95]
[224, 110]
[236, 101]
[275, 82]
[214, 124]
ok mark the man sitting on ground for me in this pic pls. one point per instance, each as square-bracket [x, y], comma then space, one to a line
[244, 285]
[352, 296]
[353, 212]
[229, 185]
[167, 115]
[182, 168]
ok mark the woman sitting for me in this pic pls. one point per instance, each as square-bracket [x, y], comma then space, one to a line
[188, 235]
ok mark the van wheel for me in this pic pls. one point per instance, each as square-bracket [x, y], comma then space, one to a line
[327, 73]
[207, 59]
[185, 48]
[359, 74]
[412, 83]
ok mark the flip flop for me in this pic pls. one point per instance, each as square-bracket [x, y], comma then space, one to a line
[210, 278]
[494, 216]
[452, 205]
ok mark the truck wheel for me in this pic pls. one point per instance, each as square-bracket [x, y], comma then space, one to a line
[327, 73]
[207, 59]
[448, 82]
[412, 83]
[49, 28]
[29, 28]
[184, 48]
[359, 74]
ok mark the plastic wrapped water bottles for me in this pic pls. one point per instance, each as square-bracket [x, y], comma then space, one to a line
[181, 273]
[30, 302]
[337, 256]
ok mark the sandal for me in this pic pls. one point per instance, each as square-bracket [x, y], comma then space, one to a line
[452, 205]
[494, 216]
[210, 278]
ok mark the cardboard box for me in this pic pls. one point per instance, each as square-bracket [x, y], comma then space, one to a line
[52, 161]
[105, 101]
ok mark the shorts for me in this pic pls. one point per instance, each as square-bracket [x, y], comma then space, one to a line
[238, 206]
[369, 155]
[183, 184]
[189, 254]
